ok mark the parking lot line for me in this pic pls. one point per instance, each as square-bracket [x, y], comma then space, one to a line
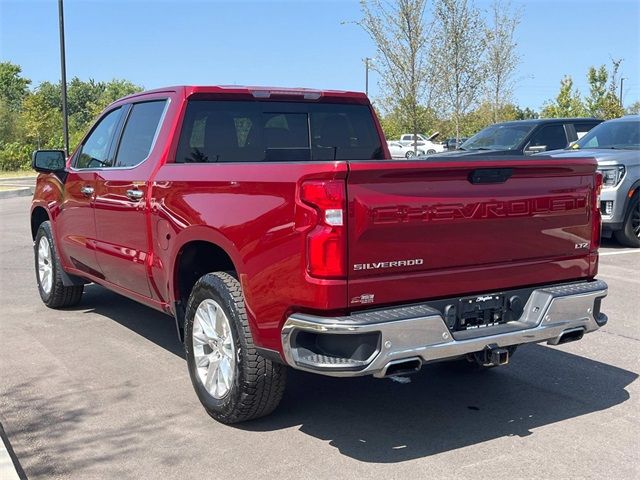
[619, 252]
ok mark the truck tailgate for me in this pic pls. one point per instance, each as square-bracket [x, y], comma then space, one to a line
[432, 229]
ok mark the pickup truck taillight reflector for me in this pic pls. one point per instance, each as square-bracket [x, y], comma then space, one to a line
[326, 242]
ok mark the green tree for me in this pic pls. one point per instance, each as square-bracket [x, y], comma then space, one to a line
[567, 103]
[113, 90]
[398, 31]
[43, 118]
[526, 113]
[457, 58]
[603, 102]
[502, 55]
[634, 108]
[13, 86]
[396, 122]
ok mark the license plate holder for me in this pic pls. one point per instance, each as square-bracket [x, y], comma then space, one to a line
[481, 311]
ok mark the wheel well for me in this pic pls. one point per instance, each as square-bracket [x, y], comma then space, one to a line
[38, 216]
[195, 260]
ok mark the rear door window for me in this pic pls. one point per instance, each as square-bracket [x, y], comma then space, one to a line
[250, 131]
[553, 137]
[139, 133]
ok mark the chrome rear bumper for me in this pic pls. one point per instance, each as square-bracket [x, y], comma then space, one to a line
[419, 331]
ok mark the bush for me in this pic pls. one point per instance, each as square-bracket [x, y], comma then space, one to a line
[15, 156]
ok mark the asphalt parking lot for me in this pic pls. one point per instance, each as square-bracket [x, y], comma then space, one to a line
[102, 391]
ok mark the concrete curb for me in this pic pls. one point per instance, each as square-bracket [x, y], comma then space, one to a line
[13, 179]
[10, 468]
[18, 192]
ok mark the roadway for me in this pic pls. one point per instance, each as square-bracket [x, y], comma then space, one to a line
[102, 391]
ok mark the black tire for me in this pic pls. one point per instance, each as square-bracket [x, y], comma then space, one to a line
[431, 152]
[409, 154]
[258, 383]
[629, 235]
[59, 296]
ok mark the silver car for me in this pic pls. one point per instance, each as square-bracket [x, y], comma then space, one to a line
[616, 146]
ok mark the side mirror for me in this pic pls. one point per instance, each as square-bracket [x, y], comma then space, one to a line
[533, 149]
[48, 161]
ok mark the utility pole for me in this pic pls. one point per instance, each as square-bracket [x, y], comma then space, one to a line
[366, 75]
[621, 84]
[63, 82]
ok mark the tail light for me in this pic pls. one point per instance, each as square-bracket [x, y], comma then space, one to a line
[326, 242]
[595, 210]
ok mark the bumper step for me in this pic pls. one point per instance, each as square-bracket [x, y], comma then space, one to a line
[552, 314]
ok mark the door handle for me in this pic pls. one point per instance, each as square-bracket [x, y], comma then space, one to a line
[135, 195]
[86, 191]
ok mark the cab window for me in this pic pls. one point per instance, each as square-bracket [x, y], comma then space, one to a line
[94, 152]
[139, 133]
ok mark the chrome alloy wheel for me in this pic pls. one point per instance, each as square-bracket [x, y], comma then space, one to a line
[213, 348]
[45, 268]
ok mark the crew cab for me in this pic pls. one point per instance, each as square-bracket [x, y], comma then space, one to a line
[274, 227]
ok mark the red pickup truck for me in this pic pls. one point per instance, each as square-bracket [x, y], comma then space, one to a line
[274, 227]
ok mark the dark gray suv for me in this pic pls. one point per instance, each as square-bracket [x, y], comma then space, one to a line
[616, 146]
[523, 137]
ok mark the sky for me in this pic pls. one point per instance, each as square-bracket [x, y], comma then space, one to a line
[293, 43]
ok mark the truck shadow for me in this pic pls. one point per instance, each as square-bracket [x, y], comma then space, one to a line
[145, 321]
[446, 406]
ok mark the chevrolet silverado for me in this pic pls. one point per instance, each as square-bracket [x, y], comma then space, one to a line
[274, 227]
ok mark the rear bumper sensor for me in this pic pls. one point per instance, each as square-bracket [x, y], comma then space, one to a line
[377, 342]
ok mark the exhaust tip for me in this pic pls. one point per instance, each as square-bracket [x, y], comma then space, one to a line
[402, 367]
[571, 335]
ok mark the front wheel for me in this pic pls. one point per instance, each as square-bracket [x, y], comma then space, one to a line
[52, 290]
[629, 235]
[233, 381]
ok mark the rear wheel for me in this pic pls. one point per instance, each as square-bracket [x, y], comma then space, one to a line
[629, 235]
[52, 290]
[233, 381]
[410, 154]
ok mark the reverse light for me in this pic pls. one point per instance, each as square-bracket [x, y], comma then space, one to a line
[326, 242]
[612, 176]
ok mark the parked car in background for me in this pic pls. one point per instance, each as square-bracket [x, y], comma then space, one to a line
[616, 146]
[453, 144]
[524, 137]
[423, 143]
[398, 150]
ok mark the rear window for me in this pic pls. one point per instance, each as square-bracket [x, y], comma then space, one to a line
[250, 131]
